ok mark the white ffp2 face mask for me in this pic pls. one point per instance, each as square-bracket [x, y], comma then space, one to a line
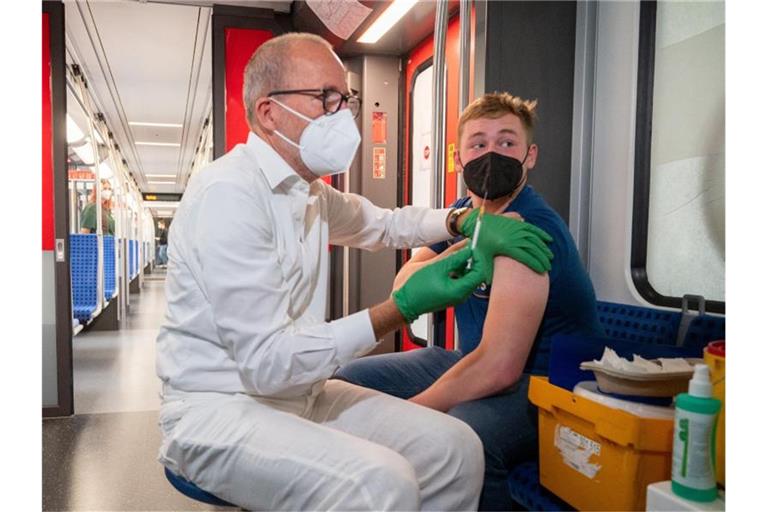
[328, 143]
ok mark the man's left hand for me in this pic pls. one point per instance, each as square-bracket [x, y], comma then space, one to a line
[506, 236]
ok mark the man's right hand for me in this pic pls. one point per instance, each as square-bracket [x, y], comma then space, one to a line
[436, 286]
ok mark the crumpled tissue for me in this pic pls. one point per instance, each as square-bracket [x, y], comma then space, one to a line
[612, 361]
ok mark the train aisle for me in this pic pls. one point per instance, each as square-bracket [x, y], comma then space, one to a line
[105, 456]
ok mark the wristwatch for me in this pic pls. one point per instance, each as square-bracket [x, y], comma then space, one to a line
[452, 221]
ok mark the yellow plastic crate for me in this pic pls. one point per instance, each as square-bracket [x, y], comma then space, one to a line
[595, 457]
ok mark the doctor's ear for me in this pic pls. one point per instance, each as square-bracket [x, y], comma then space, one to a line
[263, 114]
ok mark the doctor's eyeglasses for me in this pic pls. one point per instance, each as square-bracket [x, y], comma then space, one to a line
[331, 98]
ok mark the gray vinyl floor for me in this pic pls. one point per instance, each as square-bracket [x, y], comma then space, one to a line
[105, 456]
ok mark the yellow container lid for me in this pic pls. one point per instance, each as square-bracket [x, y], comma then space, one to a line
[588, 389]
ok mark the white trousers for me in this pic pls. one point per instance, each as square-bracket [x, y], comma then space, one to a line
[348, 448]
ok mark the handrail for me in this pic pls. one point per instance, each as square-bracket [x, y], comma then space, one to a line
[438, 121]
[464, 55]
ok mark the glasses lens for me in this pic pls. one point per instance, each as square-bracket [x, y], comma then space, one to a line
[332, 101]
[354, 105]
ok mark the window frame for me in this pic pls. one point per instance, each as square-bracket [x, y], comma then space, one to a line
[642, 177]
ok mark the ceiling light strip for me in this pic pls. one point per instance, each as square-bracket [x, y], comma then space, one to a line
[168, 144]
[386, 20]
[158, 125]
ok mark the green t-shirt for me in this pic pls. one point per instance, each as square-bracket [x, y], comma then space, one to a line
[88, 220]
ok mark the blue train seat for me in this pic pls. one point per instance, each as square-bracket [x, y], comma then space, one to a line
[135, 258]
[192, 491]
[703, 329]
[635, 323]
[83, 265]
[130, 259]
[109, 267]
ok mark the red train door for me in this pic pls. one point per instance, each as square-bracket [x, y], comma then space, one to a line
[418, 153]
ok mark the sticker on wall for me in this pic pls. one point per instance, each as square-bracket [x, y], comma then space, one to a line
[576, 450]
[379, 163]
[379, 128]
[450, 162]
[423, 152]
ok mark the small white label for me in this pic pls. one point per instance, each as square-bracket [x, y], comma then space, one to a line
[60, 256]
[576, 450]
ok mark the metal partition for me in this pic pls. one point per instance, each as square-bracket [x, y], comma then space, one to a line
[57, 313]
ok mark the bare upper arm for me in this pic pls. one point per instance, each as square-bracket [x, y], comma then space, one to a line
[421, 255]
[516, 307]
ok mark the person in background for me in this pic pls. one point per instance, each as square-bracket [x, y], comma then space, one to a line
[88, 215]
[245, 351]
[504, 329]
[162, 243]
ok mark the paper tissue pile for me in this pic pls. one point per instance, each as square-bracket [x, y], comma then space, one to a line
[642, 377]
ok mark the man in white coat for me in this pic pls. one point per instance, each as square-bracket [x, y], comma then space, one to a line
[245, 351]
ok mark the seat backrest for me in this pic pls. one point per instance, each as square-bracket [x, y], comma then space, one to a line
[635, 323]
[83, 261]
[704, 329]
[109, 266]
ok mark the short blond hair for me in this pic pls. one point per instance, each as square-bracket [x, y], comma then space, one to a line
[494, 105]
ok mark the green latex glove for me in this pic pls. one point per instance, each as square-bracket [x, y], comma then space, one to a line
[506, 236]
[438, 285]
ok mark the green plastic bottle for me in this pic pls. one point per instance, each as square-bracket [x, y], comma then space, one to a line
[693, 448]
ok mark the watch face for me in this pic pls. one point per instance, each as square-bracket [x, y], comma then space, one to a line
[483, 291]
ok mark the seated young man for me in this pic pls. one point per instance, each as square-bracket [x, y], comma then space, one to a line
[504, 329]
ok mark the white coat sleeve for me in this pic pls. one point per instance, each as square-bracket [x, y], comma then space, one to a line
[355, 221]
[243, 282]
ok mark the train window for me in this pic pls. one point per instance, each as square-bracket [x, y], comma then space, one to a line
[678, 237]
[80, 161]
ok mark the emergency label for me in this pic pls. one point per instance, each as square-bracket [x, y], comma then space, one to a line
[576, 450]
[379, 163]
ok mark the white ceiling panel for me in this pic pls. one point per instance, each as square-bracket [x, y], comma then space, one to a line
[145, 62]
[164, 134]
[159, 159]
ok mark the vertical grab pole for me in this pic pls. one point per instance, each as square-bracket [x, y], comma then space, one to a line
[438, 122]
[464, 51]
[464, 93]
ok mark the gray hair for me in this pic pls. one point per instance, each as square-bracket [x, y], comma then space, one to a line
[267, 67]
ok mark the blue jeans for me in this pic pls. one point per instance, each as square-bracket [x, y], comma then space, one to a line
[506, 422]
[162, 255]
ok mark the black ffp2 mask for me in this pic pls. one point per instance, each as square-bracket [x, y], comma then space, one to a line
[493, 173]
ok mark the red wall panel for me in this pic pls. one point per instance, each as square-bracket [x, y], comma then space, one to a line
[47, 140]
[240, 43]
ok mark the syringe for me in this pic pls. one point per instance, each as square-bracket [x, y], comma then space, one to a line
[476, 234]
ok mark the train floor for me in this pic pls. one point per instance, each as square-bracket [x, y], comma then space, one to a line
[105, 456]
